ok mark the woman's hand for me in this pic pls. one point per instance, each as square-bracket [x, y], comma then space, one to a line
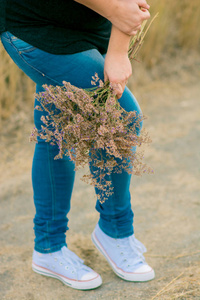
[126, 15]
[117, 69]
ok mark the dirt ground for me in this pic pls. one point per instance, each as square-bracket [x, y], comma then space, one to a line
[166, 204]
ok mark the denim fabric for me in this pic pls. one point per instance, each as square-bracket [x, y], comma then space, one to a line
[53, 180]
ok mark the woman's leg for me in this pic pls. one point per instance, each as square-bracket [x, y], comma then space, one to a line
[116, 215]
[53, 182]
[53, 188]
[52, 179]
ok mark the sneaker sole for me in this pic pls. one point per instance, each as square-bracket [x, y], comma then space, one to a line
[79, 285]
[135, 277]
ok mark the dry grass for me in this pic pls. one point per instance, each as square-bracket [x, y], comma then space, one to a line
[16, 88]
[175, 28]
[186, 285]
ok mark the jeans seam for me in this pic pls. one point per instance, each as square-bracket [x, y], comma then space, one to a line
[43, 74]
[47, 237]
[114, 221]
[30, 64]
[52, 186]
[24, 60]
[27, 50]
[10, 42]
[6, 39]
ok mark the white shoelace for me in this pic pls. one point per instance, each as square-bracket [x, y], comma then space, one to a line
[137, 244]
[73, 261]
[132, 251]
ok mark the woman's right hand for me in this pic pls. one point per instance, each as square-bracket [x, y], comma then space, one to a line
[129, 15]
[126, 15]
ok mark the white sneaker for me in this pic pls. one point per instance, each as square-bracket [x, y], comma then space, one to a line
[124, 255]
[67, 267]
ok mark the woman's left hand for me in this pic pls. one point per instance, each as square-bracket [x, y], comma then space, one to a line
[117, 69]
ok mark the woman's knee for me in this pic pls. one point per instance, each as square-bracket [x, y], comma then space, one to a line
[129, 103]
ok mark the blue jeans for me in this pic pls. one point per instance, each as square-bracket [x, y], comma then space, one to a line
[53, 180]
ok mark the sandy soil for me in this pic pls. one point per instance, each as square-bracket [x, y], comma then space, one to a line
[166, 204]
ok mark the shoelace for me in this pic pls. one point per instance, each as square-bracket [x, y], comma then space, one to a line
[137, 244]
[73, 261]
[132, 251]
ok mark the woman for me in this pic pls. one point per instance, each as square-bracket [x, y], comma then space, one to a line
[53, 41]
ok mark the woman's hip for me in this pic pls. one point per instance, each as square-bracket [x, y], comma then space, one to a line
[46, 68]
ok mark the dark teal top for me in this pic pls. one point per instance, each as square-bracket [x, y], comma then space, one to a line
[55, 26]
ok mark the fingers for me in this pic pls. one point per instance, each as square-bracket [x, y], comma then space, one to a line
[118, 88]
[134, 32]
[137, 28]
[129, 14]
[145, 14]
[143, 4]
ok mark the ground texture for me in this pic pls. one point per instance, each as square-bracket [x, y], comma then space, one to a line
[166, 204]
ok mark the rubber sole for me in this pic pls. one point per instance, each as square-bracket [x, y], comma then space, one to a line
[79, 285]
[134, 276]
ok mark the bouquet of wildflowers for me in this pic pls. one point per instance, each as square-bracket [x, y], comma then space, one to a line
[91, 127]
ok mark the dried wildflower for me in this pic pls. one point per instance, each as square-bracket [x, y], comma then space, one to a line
[91, 127]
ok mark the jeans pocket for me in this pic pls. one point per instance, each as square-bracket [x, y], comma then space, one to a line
[20, 45]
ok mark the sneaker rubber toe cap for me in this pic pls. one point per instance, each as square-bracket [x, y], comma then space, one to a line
[143, 269]
[89, 276]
